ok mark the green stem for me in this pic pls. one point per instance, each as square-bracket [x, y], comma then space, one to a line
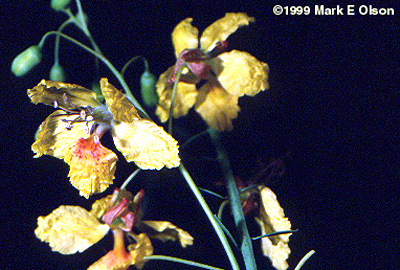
[233, 195]
[130, 178]
[211, 217]
[57, 42]
[174, 90]
[304, 259]
[178, 260]
[106, 62]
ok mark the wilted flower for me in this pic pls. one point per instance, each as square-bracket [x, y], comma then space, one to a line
[73, 133]
[229, 75]
[71, 229]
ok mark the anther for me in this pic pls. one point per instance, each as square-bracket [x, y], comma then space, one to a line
[96, 139]
[65, 98]
[55, 104]
[89, 118]
[83, 115]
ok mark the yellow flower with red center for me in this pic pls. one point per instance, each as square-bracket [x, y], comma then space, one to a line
[73, 133]
[71, 229]
[229, 75]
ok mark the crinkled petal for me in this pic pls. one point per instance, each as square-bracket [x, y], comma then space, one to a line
[92, 166]
[65, 95]
[99, 207]
[147, 144]
[240, 73]
[221, 29]
[54, 138]
[184, 99]
[141, 249]
[166, 231]
[121, 108]
[216, 106]
[70, 229]
[185, 36]
[273, 219]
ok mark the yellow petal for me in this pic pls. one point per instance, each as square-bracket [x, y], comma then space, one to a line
[185, 36]
[240, 73]
[273, 219]
[147, 144]
[92, 166]
[184, 99]
[99, 207]
[217, 107]
[65, 95]
[121, 108]
[54, 138]
[166, 231]
[141, 249]
[70, 229]
[221, 29]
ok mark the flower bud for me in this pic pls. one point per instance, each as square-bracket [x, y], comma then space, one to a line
[26, 60]
[147, 86]
[57, 73]
[58, 5]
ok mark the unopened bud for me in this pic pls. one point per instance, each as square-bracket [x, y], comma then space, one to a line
[147, 87]
[26, 60]
[57, 73]
[58, 5]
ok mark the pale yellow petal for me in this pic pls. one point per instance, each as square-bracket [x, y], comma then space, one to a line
[99, 207]
[217, 107]
[121, 108]
[240, 73]
[141, 249]
[70, 229]
[221, 29]
[65, 95]
[147, 144]
[272, 219]
[185, 36]
[54, 138]
[166, 231]
[92, 166]
[184, 99]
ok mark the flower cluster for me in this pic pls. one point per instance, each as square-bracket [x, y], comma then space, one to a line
[228, 75]
[71, 229]
[73, 133]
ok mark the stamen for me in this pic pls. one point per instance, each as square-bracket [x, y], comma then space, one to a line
[83, 115]
[55, 104]
[89, 118]
[87, 129]
[68, 125]
[65, 98]
[96, 139]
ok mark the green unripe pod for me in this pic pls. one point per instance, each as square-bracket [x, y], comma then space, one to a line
[58, 5]
[26, 60]
[147, 89]
[57, 73]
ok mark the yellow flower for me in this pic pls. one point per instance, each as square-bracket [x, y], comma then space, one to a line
[229, 75]
[71, 229]
[272, 219]
[73, 134]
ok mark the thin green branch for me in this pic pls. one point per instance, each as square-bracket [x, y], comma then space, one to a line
[130, 178]
[106, 62]
[182, 261]
[174, 90]
[212, 193]
[210, 216]
[273, 234]
[305, 258]
[227, 232]
[234, 199]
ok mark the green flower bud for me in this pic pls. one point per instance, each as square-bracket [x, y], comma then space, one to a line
[147, 86]
[58, 5]
[26, 60]
[57, 73]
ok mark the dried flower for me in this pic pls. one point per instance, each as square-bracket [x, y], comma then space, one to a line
[73, 133]
[229, 75]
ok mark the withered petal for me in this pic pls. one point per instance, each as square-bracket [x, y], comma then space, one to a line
[166, 231]
[147, 144]
[70, 229]
[140, 249]
[65, 95]
[216, 106]
[240, 73]
[121, 108]
[185, 36]
[221, 29]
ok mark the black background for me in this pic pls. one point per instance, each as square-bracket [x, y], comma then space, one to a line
[331, 112]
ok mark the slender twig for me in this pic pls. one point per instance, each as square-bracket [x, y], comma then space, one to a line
[210, 216]
[130, 178]
[179, 260]
[273, 234]
[305, 258]
[174, 90]
[233, 195]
